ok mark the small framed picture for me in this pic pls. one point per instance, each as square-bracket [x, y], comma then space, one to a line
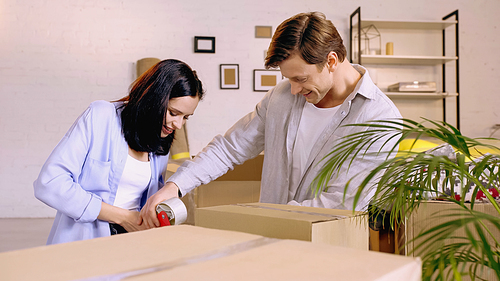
[203, 44]
[264, 80]
[263, 32]
[229, 76]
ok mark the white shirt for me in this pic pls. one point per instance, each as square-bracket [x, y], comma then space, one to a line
[313, 122]
[133, 183]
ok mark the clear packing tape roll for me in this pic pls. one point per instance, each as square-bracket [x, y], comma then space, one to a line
[171, 212]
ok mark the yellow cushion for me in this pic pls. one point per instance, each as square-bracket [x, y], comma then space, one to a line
[416, 146]
[422, 145]
[413, 145]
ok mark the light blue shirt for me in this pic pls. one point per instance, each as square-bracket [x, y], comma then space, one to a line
[84, 170]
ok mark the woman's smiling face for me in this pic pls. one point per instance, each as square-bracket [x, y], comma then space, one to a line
[178, 111]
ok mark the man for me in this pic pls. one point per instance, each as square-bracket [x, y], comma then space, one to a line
[296, 124]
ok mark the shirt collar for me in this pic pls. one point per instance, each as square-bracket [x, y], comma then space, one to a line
[365, 85]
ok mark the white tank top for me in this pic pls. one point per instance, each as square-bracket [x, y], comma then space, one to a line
[134, 181]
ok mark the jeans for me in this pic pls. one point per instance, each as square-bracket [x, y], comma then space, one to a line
[116, 229]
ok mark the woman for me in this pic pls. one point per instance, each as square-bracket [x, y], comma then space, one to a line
[112, 158]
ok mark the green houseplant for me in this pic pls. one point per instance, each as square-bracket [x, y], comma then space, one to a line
[466, 242]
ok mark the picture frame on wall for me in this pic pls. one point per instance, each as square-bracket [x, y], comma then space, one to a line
[230, 76]
[264, 80]
[204, 44]
[263, 32]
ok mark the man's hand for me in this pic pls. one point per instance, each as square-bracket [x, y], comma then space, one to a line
[148, 217]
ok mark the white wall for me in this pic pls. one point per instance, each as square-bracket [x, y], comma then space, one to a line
[58, 56]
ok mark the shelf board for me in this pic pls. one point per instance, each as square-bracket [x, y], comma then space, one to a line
[412, 60]
[424, 25]
[419, 95]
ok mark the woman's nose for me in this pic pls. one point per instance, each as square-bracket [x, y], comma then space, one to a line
[178, 121]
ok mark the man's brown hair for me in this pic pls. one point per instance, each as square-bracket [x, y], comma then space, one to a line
[311, 35]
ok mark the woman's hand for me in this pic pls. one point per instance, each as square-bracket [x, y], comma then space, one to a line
[148, 216]
[127, 219]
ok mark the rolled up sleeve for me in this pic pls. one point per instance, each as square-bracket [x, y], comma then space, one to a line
[59, 182]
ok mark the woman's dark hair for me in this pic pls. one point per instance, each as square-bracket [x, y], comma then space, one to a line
[145, 107]
[310, 35]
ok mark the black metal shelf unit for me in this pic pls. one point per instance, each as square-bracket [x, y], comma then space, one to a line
[431, 25]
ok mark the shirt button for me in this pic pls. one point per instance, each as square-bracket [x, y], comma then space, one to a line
[342, 112]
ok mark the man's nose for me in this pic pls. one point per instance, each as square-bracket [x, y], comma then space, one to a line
[296, 88]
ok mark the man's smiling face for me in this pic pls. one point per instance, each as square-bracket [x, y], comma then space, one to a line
[306, 79]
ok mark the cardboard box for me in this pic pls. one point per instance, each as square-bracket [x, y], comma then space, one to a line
[319, 225]
[428, 215]
[241, 185]
[193, 253]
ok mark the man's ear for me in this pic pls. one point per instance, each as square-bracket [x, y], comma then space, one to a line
[332, 61]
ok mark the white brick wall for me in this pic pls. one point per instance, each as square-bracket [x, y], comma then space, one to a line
[58, 56]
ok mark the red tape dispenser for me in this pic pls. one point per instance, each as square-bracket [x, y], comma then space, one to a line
[163, 218]
[171, 212]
